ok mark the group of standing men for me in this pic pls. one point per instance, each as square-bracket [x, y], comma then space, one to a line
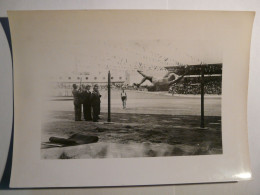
[90, 101]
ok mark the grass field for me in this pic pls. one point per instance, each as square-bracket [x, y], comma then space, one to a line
[154, 119]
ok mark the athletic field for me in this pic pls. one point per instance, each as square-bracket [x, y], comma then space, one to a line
[149, 103]
[153, 124]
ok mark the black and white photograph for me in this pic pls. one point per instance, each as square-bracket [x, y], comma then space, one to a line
[129, 97]
[133, 98]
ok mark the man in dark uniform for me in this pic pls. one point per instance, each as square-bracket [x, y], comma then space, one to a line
[77, 102]
[87, 103]
[95, 103]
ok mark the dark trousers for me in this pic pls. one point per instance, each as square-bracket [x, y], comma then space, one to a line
[77, 109]
[98, 109]
[95, 112]
[87, 112]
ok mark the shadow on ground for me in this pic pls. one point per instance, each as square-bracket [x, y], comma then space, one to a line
[152, 134]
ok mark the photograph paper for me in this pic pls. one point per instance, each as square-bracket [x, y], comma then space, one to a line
[114, 98]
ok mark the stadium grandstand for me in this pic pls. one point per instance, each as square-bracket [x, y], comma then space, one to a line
[190, 84]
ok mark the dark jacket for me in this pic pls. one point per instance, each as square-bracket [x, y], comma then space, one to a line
[86, 97]
[77, 96]
[95, 98]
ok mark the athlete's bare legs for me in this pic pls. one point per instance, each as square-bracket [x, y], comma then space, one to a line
[146, 77]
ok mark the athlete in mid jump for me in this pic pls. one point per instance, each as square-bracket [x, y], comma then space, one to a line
[169, 79]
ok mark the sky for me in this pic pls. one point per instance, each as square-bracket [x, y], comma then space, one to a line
[150, 56]
[119, 41]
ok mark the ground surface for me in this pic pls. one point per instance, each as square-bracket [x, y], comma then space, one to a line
[151, 118]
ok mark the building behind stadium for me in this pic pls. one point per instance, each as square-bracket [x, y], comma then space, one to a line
[61, 85]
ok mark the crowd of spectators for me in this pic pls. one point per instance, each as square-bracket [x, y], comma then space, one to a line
[210, 87]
